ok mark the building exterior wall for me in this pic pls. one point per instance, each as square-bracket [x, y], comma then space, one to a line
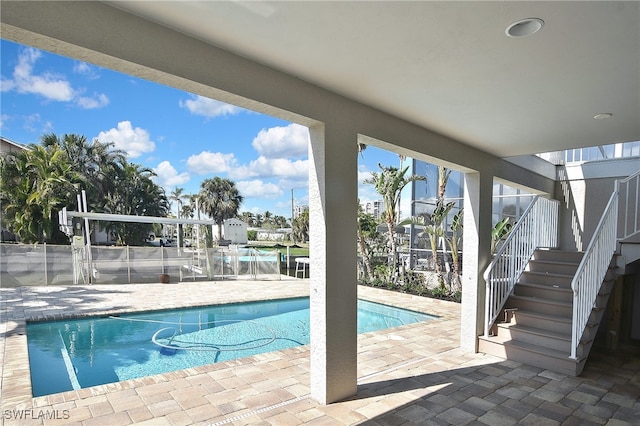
[584, 191]
[235, 230]
[9, 146]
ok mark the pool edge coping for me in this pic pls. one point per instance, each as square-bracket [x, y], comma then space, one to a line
[26, 400]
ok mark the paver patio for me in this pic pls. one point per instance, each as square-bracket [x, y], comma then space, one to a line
[414, 374]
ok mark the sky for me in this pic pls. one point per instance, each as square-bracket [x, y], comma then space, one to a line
[184, 138]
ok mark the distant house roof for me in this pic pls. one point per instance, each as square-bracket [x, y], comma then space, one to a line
[7, 145]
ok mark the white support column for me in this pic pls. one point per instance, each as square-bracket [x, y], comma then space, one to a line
[333, 195]
[476, 246]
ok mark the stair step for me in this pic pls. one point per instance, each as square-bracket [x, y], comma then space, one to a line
[552, 266]
[536, 336]
[542, 316]
[552, 292]
[540, 305]
[526, 353]
[559, 256]
[544, 321]
[549, 278]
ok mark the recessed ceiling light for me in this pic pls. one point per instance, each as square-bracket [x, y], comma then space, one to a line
[603, 115]
[524, 27]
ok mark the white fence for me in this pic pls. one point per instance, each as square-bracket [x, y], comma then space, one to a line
[45, 264]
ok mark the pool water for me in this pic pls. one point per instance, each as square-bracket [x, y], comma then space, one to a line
[74, 354]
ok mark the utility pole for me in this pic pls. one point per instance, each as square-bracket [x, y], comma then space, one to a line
[293, 238]
[291, 206]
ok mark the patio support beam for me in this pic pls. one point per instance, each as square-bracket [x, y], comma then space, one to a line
[333, 191]
[478, 191]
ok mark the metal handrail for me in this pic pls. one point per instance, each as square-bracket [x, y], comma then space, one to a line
[592, 270]
[595, 263]
[537, 227]
[629, 190]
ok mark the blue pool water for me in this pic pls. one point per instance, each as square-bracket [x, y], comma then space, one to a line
[74, 354]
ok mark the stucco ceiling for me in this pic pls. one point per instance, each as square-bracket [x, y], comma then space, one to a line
[447, 66]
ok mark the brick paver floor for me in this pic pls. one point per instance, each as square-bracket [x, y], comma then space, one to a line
[410, 375]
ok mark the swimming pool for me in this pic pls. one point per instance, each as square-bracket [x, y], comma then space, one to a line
[74, 354]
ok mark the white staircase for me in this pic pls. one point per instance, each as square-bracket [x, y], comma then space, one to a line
[535, 325]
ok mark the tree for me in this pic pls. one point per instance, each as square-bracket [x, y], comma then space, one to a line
[135, 194]
[187, 211]
[280, 221]
[96, 162]
[248, 218]
[46, 177]
[389, 183]
[177, 196]
[33, 184]
[366, 229]
[268, 218]
[258, 220]
[499, 232]
[300, 226]
[454, 246]
[219, 199]
[435, 228]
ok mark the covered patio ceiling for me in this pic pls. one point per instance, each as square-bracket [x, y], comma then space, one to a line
[446, 66]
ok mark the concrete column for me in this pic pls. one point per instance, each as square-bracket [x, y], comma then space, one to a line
[333, 195]
[476, 247]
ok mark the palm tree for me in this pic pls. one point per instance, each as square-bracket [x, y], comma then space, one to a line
[187, 211]
[443, 178]
[454, 246]
[366, 228]
[96, 161]
[389, 183]
[268, 218]
[435, 230]
[248, 218]
[219, 199]
[177, 196]
[259, 219]
[280, 221]
[136, 194]
[33, 183]
[300, 227]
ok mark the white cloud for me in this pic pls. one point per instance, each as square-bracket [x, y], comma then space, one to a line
[168, 176]
[3, 120]
[99, 101]
[33, 123]
[363, 174]
[86, 70]
[283, 142]
[135, 141]
[200, 105]
[211, 162]
[48, 85]
[258, 189]
[51, 86]
[272, 167]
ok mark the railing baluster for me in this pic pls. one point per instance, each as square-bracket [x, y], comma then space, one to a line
[537, 225]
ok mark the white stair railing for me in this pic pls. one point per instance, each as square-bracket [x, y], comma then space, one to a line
[597, 258]
[592, 270]
[537, 227]
[629, 204]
